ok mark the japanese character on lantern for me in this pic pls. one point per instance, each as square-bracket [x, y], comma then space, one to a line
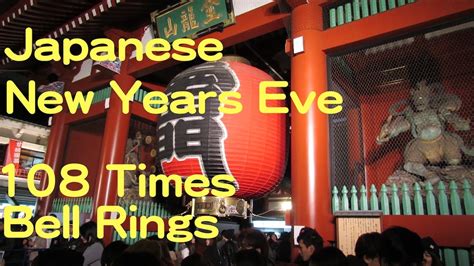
[186, 136]
[249, 146]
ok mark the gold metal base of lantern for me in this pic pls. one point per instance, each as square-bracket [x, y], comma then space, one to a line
[220, 207]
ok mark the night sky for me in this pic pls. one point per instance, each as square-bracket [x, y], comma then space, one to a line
[20, 111]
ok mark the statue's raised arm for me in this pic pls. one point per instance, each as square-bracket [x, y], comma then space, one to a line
[395, 124]
[448, 111]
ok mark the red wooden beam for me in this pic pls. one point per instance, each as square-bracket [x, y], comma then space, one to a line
[255, 23]
[310, 149]
[446, 230]
[137, 109]
[397, 21]
[96, 110]
[54, 158]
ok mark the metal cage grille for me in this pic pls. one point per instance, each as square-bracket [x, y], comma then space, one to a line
[372, 80]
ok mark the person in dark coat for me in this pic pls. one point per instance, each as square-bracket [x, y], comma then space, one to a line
[213, 254]
[229, 248]
[283, 252]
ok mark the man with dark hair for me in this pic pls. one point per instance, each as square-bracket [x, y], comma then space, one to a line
[367, 248]
[112, 252]
[249, 257]
[328, 256]
[93, 251]
[284, 248]
[254, 239]
[309, 243]
[229, 248]
[401, 246]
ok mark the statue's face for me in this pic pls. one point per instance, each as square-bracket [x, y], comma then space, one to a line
[420, 96]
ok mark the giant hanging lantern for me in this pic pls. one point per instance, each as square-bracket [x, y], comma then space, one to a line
[250, 145]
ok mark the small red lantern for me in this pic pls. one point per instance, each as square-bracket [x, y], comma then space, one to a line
[250, 146]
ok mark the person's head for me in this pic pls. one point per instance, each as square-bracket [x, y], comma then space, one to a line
[285, 236]
[328, 256]
[249, 257]
[309, 242]
[431, 252]
[152, 247]
[368, 248]
[136, 258]
[272, 237]
[112, 252]
[50, 223]
[421, 95]
[88, 233]
[58, 257]
[254, 239]
[401, 246]
[210, 242]
[199, 245]
[165, 252]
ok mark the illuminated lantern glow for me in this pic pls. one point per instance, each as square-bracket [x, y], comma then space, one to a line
[250, 146]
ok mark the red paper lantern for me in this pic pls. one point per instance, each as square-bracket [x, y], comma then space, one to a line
[251, 146]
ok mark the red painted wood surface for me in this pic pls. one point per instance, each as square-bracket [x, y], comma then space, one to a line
[310, 165]
[446, 230]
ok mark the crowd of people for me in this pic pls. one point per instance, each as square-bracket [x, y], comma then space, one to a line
[248, 247]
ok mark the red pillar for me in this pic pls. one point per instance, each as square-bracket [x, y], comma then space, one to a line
[53, 158]
[113, 147]
[311, 194]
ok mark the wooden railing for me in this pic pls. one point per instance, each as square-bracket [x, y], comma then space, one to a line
[139, 96]
[104, 93]
[352, 10]
[101, 94]
[404, 201]
[85, 204]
